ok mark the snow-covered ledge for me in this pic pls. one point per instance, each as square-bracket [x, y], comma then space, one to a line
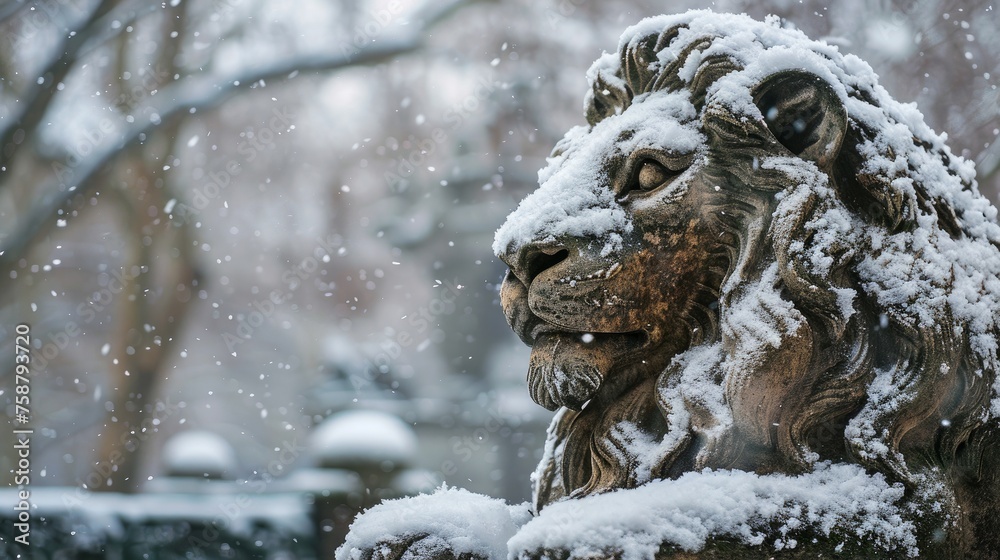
[763, 297]
[839, 504]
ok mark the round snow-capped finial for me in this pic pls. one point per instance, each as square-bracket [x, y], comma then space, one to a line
[199, 453]
[364, 438]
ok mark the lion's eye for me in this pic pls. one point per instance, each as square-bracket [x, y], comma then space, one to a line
[652, 174]
[646, 173]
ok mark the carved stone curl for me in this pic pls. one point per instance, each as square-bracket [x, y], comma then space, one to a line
[754, 271]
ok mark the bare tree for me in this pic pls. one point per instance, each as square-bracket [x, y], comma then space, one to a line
[128, 161]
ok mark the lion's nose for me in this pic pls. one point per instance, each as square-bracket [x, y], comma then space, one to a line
[532, 259]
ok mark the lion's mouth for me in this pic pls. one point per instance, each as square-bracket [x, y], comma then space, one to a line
[633, 339]
[529, 327]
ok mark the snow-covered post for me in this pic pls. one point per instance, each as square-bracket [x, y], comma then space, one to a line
[379, 449]
[196, 462]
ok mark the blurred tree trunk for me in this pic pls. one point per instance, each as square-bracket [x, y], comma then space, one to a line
[149, 319]
[157, 287]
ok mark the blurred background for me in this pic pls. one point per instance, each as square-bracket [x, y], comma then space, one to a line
[240, 218]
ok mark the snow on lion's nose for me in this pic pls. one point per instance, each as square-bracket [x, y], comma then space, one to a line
[565, 214]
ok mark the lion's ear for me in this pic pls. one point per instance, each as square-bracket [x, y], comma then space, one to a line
[804, 114]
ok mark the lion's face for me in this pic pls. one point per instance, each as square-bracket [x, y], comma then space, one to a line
[607, 303]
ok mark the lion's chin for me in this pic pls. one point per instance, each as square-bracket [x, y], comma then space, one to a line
[568, 369]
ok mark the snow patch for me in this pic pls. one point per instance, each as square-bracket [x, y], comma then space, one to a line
[464, 522]
[364, 435]
[575, 199]
[839, 501]
[762, 317]
[199, 453]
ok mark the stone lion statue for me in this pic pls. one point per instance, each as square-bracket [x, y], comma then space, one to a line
[763, 297]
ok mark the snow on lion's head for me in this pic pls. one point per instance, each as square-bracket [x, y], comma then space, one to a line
[752, 257]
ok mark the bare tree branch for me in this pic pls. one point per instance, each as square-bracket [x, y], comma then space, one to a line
[198, 92]
[36, 100]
